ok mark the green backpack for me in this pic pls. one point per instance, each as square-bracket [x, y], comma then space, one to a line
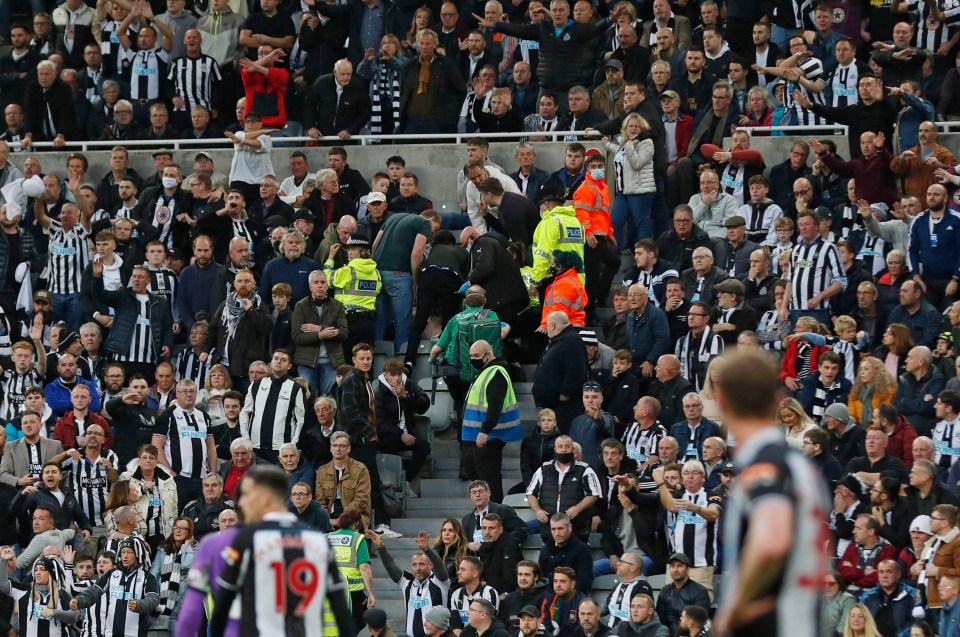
[477, 326]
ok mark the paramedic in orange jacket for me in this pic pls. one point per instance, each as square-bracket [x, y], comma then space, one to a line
[600, 259]
[566, 294]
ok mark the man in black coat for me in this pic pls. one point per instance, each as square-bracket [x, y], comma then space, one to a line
[670, 388]
[499, 553]
[353, 15]
[509, 520]
[562, 370]
[564, 548]
[425, 107]
[492, 267]
[49, 95]
[336, 104]
[508, 213]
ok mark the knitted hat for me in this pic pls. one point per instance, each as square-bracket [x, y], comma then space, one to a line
[439, 617]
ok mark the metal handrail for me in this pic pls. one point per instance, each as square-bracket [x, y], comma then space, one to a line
[833, 129]
[365, 140]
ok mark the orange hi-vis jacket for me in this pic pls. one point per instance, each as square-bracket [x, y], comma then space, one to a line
[566, 294]
[592, 204]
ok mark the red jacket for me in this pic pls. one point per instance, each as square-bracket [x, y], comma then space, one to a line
[275, 83]
[900, 441]
[854, 574]
[788, 367]
[65, 431]
[684, 132]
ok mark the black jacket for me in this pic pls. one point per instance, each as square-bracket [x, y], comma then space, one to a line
[322, 109]
[183, 202]
[206, 516]
[390, 405]
[446, 87]
[620, 394]
[513, 603]
[63, 514]
[59, 98]
[673, 600]
[680, 251]
[575, 554]
[352, 14]
[499, 561]
[126, 307]
[562, 369]
[492, 267]
[517, 218]
[670, 394]
[512, 524]
[559, 67]
[536, 449]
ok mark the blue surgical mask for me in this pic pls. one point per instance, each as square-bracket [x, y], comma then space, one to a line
[597, 173]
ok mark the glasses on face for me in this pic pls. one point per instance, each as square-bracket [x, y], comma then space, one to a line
[696, 314]
[212, 485]
[114, 376]
[683, 221]
[118, 111]
[185, 529]
[300, 494]
[801, 192]
[339, 446]
[700, 257]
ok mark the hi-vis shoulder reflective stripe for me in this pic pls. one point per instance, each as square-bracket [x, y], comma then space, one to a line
[558, 299]
[361, 287]
[597, 204]
[569, 234]
[475, 410]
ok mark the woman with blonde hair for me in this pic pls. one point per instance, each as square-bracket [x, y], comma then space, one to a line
[760, 109]
[794, 420]
[873, 386]
[43, 605]
[451, 545]
[711, 410]
[210, 398]
[636, 187]
[860, 623]
[422, 19]
[382, 70]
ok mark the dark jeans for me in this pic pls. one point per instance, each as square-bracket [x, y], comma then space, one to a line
[361, 331]
[391, 443]
[601, 264]
[188, 490]
[566, 411]
[485, 463]
[436, 288]
[421, 125]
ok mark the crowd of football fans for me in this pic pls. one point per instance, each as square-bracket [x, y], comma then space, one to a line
[160, 334]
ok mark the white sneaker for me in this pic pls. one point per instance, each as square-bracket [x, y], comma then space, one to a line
[385, 531]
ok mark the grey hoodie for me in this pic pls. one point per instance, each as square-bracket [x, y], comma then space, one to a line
[652, 628]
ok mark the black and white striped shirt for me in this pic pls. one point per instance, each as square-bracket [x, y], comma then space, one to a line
[141, 342]
[13, 386]
[91, 484]
[618, 604]
[812, 69]
[193, 80]
[190, 366]
[695, 536]
[114, 63]
[695, 353]
[460, 601]
[89, 617]
[276, 580]
[31, 623]
[813, 268]
[69, 255]
[147, 67]
[163, 215]
[419, 597]
[186, 444]
[117, 588]
[643, 443]
[163, 283]
[141, 548]
[930, 33]
[843, 85]
[732, 182]
[273, 413]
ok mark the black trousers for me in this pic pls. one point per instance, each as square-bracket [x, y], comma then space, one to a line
[436, 288]
[392, 443]
[601, 265]
[361, 331]
[485, 463]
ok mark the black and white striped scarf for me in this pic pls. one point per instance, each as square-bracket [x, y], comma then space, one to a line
[386, 82]
[169, 579]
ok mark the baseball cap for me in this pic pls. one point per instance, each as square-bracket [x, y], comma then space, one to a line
[679, 557]
[613, 64]
[671, 94]
[729, 467]
[203, 156]
[921, 524]
[42, 296]
[529, 610]
[376, 196]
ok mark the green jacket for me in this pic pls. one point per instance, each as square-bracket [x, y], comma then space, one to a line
[308, 343]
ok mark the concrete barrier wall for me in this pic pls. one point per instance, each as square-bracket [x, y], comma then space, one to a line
[435, 164]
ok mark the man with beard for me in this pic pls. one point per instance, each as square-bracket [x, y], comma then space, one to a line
[231, 220]
[292, 267]
[198, 292]
[240, 329]
[58, 392]
[529, 591]
[133, 420]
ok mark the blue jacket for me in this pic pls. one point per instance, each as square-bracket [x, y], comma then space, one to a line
[305, 472]
[950, 620]
[908, 121]
[808, 390]
[942, 261]
[648, 335]
[283, 270]
[681, 431]
[58, 396]
[590, 433]
[900, 603]
[924, 325]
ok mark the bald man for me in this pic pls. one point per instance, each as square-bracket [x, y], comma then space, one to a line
[918, 389]
[669, 388]
[936, 249]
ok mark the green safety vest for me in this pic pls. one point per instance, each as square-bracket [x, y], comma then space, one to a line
[345, 545]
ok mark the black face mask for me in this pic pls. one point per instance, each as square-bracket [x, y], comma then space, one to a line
[478, 363]
[564, 458]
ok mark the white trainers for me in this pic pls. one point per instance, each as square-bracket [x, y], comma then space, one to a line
[385, 531]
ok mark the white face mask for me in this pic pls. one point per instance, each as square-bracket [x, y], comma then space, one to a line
[169, 182]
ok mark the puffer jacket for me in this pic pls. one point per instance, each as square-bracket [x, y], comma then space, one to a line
[168, 495]
[636, 162]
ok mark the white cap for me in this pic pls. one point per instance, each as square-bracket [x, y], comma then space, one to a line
[921, 523]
